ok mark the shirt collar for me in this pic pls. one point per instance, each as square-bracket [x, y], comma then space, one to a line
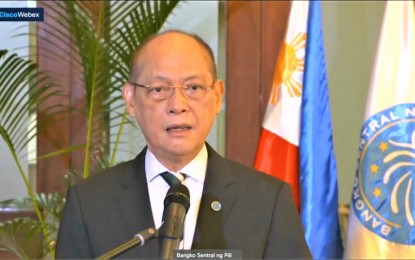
[195, 169]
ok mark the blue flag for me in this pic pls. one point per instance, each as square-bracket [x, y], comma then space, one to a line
[318, 175]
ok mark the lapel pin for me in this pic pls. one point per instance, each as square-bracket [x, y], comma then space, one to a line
[216, 206]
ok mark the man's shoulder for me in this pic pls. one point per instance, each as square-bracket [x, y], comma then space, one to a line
[108, 177]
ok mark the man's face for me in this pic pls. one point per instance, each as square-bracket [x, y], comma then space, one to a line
[175, 128]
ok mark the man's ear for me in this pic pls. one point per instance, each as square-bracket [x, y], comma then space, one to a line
[128, 97]
[219, 92]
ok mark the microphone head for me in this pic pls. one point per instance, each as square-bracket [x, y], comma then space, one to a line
[178, 194]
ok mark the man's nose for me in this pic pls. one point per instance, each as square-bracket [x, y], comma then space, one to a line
[178, 102]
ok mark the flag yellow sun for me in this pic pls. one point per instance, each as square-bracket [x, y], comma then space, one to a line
[288, 62]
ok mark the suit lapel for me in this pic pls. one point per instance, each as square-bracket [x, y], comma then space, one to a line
[219, 187]
[135, 206]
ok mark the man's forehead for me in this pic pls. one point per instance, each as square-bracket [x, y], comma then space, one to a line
[172, 41]
[171, 45]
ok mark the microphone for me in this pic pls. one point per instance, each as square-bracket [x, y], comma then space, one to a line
[139, 239]
[176, 205]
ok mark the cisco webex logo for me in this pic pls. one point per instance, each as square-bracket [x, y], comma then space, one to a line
[21, 14]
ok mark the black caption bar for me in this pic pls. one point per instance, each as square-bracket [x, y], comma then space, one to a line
[21, 14]
[205, 254]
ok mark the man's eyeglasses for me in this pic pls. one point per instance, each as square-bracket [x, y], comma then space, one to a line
[161, 92]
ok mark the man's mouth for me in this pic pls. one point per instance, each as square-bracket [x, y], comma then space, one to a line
[180, 127]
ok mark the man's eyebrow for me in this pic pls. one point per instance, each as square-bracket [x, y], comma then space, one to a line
[167, 79]
[194, 77]
[160, 77]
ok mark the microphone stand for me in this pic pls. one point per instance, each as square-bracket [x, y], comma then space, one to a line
[138, 239]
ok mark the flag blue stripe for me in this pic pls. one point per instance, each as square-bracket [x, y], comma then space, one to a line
[318, 176]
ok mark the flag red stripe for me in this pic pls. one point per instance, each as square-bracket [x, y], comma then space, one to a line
[279, 158]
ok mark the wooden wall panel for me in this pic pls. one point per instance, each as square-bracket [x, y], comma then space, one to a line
[255, 31]
[56, 135]
[243, 79]
[52, 56]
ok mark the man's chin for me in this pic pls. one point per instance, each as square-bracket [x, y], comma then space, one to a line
[184, 150]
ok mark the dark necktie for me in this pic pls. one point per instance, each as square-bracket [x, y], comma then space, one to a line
[170, 178]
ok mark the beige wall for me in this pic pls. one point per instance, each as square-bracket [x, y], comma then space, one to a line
[351, 30]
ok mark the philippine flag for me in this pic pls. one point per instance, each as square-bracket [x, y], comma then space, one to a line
[296, 138]
[381, 221]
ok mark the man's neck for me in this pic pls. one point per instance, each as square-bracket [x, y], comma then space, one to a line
[176, 163]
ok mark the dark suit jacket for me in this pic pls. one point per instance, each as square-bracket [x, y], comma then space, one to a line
[257, 215]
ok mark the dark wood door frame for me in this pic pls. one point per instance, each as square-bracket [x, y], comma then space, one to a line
[255, 31]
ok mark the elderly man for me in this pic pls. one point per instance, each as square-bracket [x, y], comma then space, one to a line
[175, 96]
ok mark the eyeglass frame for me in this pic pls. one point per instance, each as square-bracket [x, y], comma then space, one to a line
[182, 88]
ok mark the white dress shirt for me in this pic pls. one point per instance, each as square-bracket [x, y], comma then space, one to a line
[194, 173]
